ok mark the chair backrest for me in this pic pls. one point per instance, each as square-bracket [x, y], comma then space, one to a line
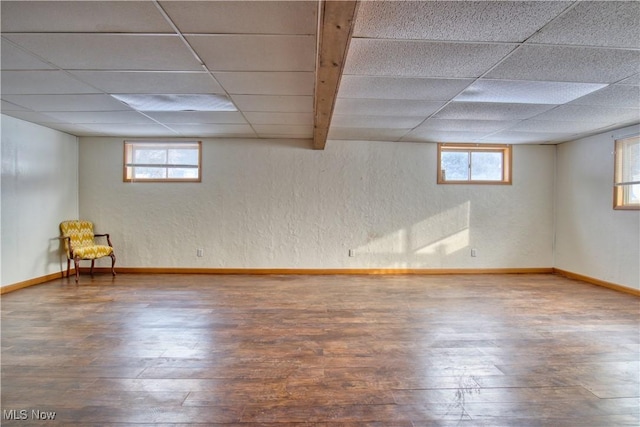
[79, 232]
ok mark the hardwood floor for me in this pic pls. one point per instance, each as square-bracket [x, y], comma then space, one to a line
[477, 350]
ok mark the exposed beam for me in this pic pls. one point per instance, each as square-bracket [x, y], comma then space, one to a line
[336, 19]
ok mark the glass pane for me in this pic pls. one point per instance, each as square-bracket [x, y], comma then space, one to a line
[455, 165]
[183, 173]
[486, 166]
[150, 156]
[149, 173]
[630, 160]
[631, 194]
[183, 156]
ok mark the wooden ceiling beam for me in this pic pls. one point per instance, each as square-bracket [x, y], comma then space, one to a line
[336, 21]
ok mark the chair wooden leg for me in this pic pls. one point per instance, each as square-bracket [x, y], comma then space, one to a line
[76, 261]
[93, 261]
[68, 266]
[113, 263]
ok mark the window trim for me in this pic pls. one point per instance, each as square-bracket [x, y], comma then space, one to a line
[128, 167]
[618, 186]
[507, 159]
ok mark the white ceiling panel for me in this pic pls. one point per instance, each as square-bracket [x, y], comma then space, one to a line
[526, 92]
[84, 117]
[255, 52]
[633, 80]
[423, 135]
[42, 82]
[130, 129]
[14, 58]
[490, 111]
[67, 102]
[214, 130]
[262, 118]
[8, 106]
[595, 23]
[614, 96]
[391, 122]
[32, 116]
[376, 57]
[471, 125]
[267, 83]
[385, 107]
[274, 103]
[110, 51]
[299, 131]
[197, 117]
[585, 113]
[509, 21]
[352, 86]
[237, 17]
[82, 17]
[512, 137]
[549, 126]
[367, 134]
[568, 64]
[151, 82]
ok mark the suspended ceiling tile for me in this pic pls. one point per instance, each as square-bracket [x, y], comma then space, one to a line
[426, 135]
[243, 17]
[470, 125]
[614, 96]
[132, 130]
[422, 59]
[14, 58]
[526, 92]
[567, 64]
[585, 113]
[83, 17]
[151, 82]
[8, 106]
[528, 137]
[84, 117]
[110, 51]
[255, 52]
[366, 134]
[32, 117]
[632, 80]
[215, 130]
[67, 102]
[267, 83]
[76, 130]
[261, 118]
[42, 82]
[490, 111]
[385, 107]
[533, 125]
[197, 117]
[306, 131]
[454, 20]
[274, 103]
[390, 122]
[595, 23]
[352, 86]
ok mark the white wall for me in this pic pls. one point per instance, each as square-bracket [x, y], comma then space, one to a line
[39, 190]
[593, 239]
[272, 204]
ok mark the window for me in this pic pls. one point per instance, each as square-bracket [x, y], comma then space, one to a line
[474, 164]
[626, 190]
[154, 161]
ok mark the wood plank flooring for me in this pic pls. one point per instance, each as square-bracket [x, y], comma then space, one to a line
[476, 350]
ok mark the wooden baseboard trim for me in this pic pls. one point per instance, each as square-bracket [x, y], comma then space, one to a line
[598, 282]
[322, 271]
[30, 282]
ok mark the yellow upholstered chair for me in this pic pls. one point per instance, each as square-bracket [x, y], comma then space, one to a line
[80, 244]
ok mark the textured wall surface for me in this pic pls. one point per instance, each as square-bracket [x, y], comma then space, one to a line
[275, 204]
[592, 238]
[39, 190]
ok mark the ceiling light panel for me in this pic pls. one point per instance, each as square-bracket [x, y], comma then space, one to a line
[110, 51]
[525, 92]
[377, 57]
[568, 64]
[490, 111]
[385, 107]
[353, 86]
[150, 81]
[595, 23]
[242, 17]
[83, 17]
[177, 102]
[508, 21]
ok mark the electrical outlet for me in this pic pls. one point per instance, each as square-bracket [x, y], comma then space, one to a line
[200, 252]
[352, 253]
[474, 252]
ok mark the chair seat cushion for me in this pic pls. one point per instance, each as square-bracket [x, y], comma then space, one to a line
[92, 251]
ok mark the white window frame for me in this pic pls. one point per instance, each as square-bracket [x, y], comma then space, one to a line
[129, 165]
[504, 149]
[620, 187]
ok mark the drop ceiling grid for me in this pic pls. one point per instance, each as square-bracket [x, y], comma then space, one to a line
[394, 40]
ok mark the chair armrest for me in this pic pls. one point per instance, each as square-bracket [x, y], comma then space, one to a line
[104, 235]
